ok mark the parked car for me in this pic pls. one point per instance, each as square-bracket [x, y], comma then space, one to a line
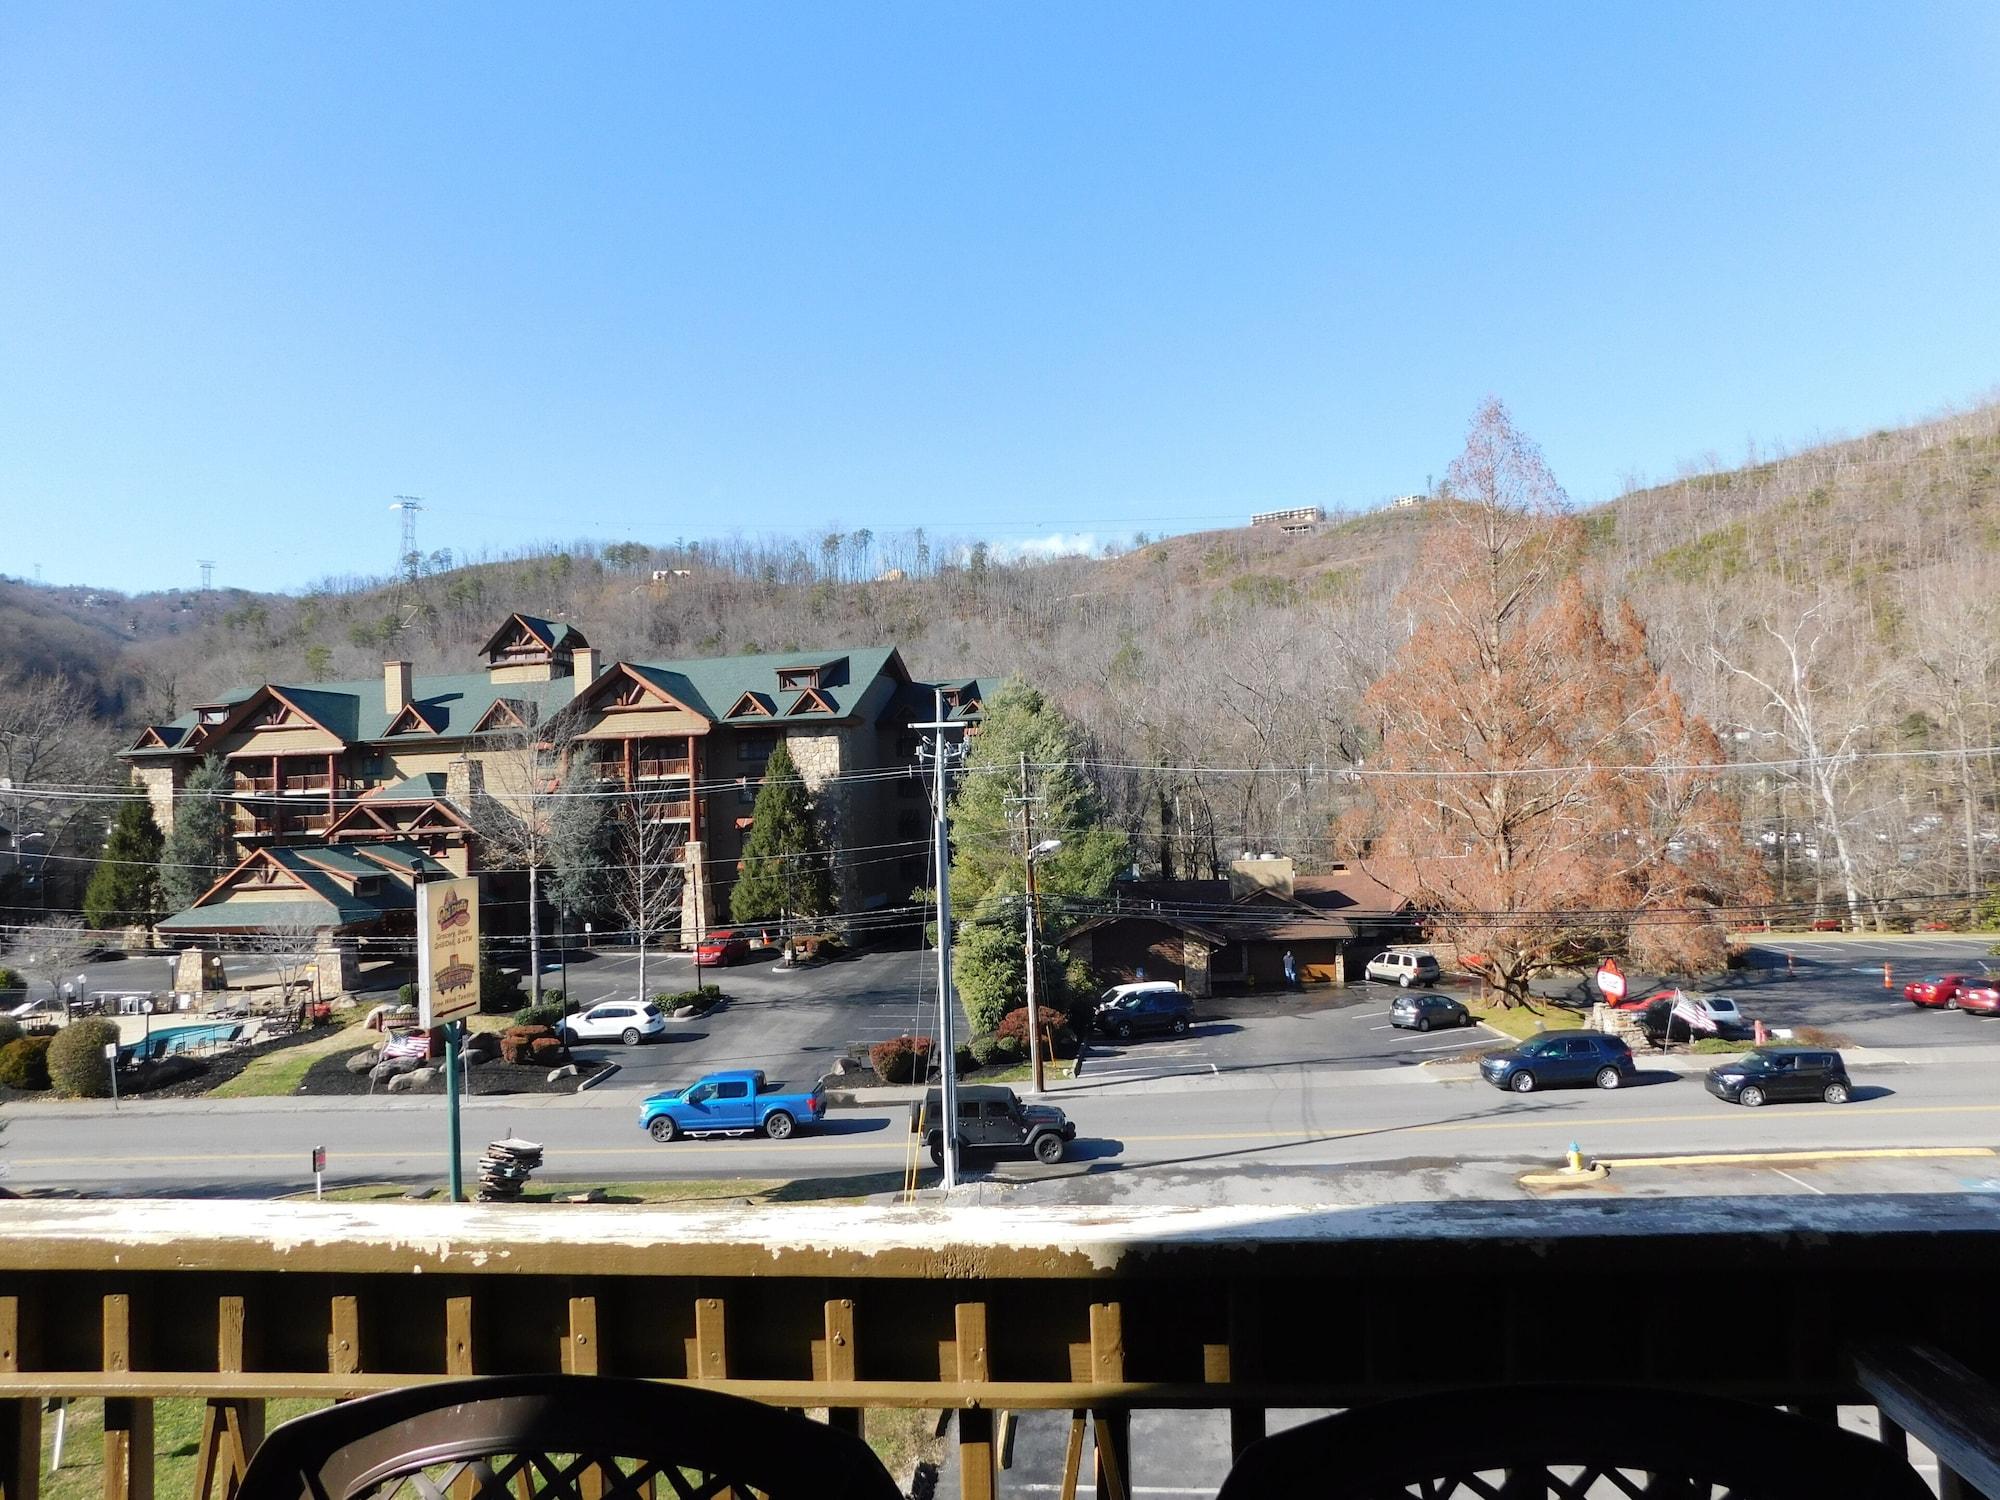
[991, 1118]
[1980, 995]
[1936, 991]
[1582, 1057]
[1725, 1015]
[1131, 1010]
[720, 949]
[1423, 1012]
[1404, 966]
[627, 1021]
[737, 1103]
[1772, 1075]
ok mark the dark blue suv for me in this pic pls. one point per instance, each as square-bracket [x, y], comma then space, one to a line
[1580, 1057]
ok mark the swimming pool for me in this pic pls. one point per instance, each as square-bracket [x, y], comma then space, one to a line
[171, 1039]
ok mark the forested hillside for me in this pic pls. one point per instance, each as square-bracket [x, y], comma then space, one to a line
[1831, 613]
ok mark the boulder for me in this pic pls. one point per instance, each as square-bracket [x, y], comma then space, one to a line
[685, 1012]
[402, 1083]
[421, 1077]
[567, 1070]
[363, 1062]
[844, 1066]
[588, 1195]
[480, 1059]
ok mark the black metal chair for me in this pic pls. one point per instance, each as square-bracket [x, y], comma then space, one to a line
[1562, 1442]
[560, 1437]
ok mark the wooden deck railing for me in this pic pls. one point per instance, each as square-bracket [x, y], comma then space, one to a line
[987, 1311]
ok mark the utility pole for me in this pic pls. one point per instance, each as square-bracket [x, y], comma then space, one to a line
[1028, 915]
[940, 754]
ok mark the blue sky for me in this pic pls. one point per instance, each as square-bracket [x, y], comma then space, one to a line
[648, 271]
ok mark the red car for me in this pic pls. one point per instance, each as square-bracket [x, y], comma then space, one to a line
[1980, 994]
[1940, 991]
[719, 949]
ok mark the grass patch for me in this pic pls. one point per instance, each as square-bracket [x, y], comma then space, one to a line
[280, 1073]
[902, 1437]
[177, 1439]
[1058, 1068]
[1522, 1023]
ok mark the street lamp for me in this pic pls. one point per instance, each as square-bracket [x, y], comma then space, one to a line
[1045, 847]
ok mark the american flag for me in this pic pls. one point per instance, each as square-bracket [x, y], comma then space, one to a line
[1697, 1018]
[416, 1045]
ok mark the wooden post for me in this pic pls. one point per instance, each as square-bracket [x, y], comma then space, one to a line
[1246, 1423]
[231, 1427]
[580, 1357]
[1112, 1450]
[842, 1365]
[975, 1423]
[20, 1418]
[343, 1339]
[128, 1420]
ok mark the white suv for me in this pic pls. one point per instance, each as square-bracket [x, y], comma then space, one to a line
[626, 1021]
[1404, 966]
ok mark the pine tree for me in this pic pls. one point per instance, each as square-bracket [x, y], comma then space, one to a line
[196, 853]
[124, 889]
[987, 877]
[787, 873]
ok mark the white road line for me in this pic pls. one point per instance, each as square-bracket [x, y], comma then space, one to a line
[1369, 1015]
[1447, 1047]
[1381, 1028]
[1800, 1181]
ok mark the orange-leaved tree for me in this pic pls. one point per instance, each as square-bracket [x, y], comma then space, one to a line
[1540, 790]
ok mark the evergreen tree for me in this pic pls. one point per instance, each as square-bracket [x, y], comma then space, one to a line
[787, 872]
[197, 852]
[987, 876]
[124, 889]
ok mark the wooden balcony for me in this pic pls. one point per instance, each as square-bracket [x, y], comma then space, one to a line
[1093, 1312]
[653, 770]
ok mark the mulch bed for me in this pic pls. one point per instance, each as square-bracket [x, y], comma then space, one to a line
[182, 1077]
[329, 1078]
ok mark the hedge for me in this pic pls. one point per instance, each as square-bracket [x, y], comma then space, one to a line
[24, 1063]
[548, 1013]
[78, 1067]
[526, 1044]
[1057, 1038]
[10, 979]
[901, 1059]
[10, 1030]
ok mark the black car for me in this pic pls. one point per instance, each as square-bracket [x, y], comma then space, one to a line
[1560, 1057]
[1426, 1012]
[1133, 1011]
[991, 1118]
[1772, 1075]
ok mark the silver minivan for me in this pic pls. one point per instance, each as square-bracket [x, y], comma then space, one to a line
[1404, 966]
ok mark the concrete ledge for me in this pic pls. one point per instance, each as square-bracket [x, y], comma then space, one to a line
[1597, 1171]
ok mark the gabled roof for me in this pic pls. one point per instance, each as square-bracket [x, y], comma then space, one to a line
[507, 713]
[426, 786]
[809, 701]
[414, 718]
[553, 634]
[751, 706]
[1214, 936]
[159, 737]
[324, 880]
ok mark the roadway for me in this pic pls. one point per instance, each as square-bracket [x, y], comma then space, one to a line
[1167, 1138]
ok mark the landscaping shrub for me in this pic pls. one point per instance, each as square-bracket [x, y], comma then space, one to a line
[406, 994]
[1058, 1040]
[547, 1052]
[963, 1061]
[10, 1030]
[78, 1067]
[1012, 1048]
[986, 1051]
[549, 1013]
[24, 1063]
[10, 979]
[702, 999]
[517, 1042]
[901, 1059]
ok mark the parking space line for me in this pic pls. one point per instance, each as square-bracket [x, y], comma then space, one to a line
[1447, 1047]
[1800, 1181]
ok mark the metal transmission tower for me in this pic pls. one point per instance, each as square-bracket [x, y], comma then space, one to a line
[941, 754]
[207, 566]
[408, 561]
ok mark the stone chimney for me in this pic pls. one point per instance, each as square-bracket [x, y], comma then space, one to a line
[395, 686]
[584, 666]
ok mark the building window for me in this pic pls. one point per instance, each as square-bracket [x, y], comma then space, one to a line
[755, 748]
[792, 679]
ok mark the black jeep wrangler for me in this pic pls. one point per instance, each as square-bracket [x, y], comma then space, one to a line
[991, 1118]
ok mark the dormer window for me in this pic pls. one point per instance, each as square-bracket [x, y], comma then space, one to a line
[797, 679]
[211, 714]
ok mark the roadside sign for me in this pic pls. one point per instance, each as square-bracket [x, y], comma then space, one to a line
[319, 1173]
[1611, 980]
[111, 1051]
[319, 1159]
[447, 950]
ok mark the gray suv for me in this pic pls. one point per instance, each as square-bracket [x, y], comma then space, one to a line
[991, 1118]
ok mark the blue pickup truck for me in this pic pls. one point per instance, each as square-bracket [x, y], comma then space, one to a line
[740, 1103]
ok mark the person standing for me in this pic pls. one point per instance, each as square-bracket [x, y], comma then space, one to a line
[1291, 971]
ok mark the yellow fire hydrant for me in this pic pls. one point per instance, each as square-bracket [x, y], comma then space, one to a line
[1575, 1158]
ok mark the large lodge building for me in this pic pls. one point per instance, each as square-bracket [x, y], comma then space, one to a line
[344, 795]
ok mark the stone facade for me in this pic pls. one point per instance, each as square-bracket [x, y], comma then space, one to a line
[157, 782]
[821, 758]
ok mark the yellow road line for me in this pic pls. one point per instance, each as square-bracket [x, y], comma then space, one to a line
[896, 1142]
[1766, 1158]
